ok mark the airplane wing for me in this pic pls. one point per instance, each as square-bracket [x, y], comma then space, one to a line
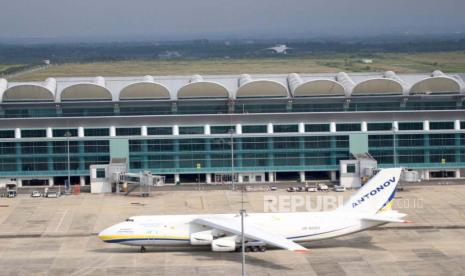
[233, 225]
[389, 216]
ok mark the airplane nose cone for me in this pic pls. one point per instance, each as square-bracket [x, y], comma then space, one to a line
[105, 235]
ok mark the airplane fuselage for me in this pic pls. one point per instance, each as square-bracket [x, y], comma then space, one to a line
[177, 229]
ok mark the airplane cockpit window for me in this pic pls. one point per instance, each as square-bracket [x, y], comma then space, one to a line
[130, 220]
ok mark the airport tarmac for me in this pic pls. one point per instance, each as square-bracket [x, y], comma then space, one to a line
[40, 236]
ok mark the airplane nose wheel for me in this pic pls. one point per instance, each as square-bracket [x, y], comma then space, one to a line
[142, 249]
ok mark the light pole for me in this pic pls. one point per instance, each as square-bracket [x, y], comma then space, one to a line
[231, 132]
[68, 135]
[394, 129]
[242, 212]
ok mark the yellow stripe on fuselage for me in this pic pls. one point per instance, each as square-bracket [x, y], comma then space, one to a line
[128, 237]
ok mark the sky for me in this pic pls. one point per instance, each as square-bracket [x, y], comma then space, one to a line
[226, 19]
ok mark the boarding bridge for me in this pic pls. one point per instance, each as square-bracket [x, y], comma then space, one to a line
[111, 177]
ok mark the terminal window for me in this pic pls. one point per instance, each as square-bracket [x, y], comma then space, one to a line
[316, 127]
[100, 173]
[62, 132]
[254, 129]
[7, 134]
[30, 133]
[159, 131]
[348, 127]
[379, 126]
[441, 125]
[96, 132]
[411, 126]
[221, 129]
[128, 131]
[350, 168]
[285, 128]
[191, 130]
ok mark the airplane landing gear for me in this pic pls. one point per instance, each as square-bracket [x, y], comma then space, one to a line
[142, 249]
[253, 248]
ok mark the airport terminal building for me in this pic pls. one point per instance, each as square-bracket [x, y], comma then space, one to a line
[283, 127]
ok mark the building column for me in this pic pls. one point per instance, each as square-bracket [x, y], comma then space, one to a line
[51, 182]
[240, 179]
[301, 127]
[269, 128]
[302, 176]
[271, 176]
[332, 127]
[176, 178]
[208, 178]
[82, 180]
[49, 132]
[364, 126]
[19, 182]
[80, 132]
[206, 130]
[17, 133]
[175, 130]
[457, 125]
[143, 130]
[112, 131]
[333, 176]
[395, 125]
[238, 129]
[426, 125]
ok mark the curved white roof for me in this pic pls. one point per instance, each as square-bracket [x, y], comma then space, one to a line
[3, 87]
[86, 91]
[30, 91]
[203, 89]
[319, 87]
[223, 86]
[438, 83]
[260, 88]
[378, 86]
[145, 89]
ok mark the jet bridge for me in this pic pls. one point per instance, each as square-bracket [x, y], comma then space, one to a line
[114, 177]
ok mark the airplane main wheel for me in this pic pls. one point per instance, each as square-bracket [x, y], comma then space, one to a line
[262, 248]
[255, 248]
[142, 249]
[247, 249]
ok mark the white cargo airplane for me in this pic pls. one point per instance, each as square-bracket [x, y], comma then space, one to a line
[368, 207]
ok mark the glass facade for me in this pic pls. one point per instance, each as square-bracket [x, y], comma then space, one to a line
[250, 154]
[258, 149]
[221, 106]
[50, 157]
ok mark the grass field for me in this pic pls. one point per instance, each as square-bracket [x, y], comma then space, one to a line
[318, 63]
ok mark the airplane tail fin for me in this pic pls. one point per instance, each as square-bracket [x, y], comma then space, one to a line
[376, 195]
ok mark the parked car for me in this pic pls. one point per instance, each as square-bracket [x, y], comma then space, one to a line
[273, 188]
[323, 187]
[291, 189]
[311, 189]
[300, 189]
[51, 194]
[11, 194]
[339, 189]
[36, 194]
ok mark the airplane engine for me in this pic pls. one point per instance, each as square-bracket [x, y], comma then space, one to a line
[225, 244]
[201, 238]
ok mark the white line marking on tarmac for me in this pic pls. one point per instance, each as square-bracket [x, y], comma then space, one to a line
[61, 220]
